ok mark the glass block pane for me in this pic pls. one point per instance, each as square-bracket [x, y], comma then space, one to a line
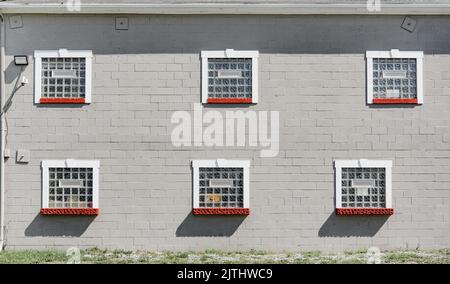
[394, 78]
[63, 77]
[70, 187]
[223, 187]
[365, 186]
[229, 78]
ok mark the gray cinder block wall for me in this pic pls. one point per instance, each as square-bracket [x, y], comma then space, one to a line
[312, 70]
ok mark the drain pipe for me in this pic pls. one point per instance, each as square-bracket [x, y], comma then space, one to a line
[3, 132]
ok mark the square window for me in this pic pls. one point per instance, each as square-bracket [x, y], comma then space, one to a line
[63, 76]
[72, 193]
[229, 77]
[227, 187]
[363, 187]
[394, 77]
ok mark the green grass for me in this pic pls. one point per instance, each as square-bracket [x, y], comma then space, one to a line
[439, 256]
[33, 256]
[96, 255]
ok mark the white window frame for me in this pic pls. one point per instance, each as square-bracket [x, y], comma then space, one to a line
[70, 163]
[62, 53]
[363, 163]
[220, 163]
[229, 53]
[395, 53]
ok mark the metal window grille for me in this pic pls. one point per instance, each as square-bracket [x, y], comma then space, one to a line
[230, 78]
[363, 187]
[70, 187]
[221, 187]
[63, 77]
[394, 78]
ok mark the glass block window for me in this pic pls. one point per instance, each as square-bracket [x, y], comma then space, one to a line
[221, 187]
[70, 187]
[70, 184]
[363, 183]
[394, 77]
[363, 187]
[63, 76]
[229, 76]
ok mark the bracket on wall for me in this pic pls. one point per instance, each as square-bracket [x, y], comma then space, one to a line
[7, 153]
[362, 163]
[220, 162]
[229, 52]
[395, 53]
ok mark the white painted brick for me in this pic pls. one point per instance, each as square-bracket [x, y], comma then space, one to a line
[316, 83]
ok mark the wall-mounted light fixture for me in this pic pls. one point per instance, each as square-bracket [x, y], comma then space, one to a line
[21, 60]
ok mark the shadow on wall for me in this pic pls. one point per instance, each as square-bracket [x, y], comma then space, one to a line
[11, 73]
[191, 33]
[209, 226]
[52, 226]
[394, 106]
[352, 226]
[60, 106]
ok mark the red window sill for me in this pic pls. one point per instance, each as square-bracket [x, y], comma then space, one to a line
[62, 100]
[230, 101]
[70, 211]
[221, 211]
[364, 211]
[394, 101]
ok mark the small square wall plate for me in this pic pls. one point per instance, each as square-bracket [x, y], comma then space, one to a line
[15, 22]
[409, 24]
[121, 23]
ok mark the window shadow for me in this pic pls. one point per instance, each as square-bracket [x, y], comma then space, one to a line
[60, 106]
[209, 225]
[392, 106]
[52, 226]
[12, 72]
[352, 226]
[227, 106]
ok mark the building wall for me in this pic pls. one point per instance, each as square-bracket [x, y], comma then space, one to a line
[312, 70]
